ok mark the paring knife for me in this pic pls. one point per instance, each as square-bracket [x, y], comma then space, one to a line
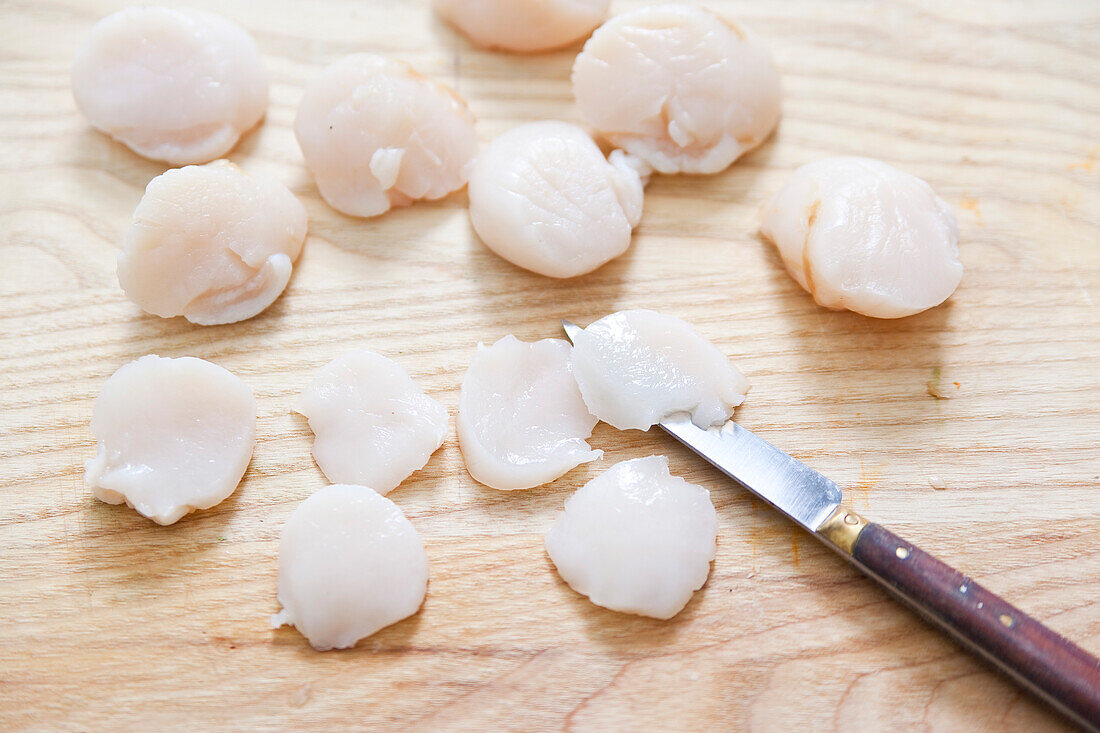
[1053, 668]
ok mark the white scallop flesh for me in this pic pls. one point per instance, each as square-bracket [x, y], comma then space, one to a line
[543, 197]
[521, 420]
[350, 564]
[211, 243]
[377, 134]
[174, 435]
[372, 424]
[525, 26]
[678, 87]
[636, 539]
[175, 85]
[859, 234]
[637, 367]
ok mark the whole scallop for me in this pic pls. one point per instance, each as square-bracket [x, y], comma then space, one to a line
[859, 234]
[678, 86]
[376, 134]
[637, 367]
[211, 243]
[521, 420]
[350, 564]
[523, 25]
[174, 435]
[373, 424]
[176, 85]
[543, 197]
[636, 539]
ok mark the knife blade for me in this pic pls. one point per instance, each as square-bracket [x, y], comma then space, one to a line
[1043, 662]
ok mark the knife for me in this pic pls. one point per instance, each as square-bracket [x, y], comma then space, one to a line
[1050, 666]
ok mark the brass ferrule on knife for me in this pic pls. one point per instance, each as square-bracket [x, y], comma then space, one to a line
[842, 529]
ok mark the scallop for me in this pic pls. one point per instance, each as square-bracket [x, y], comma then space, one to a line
[636, 539]
[637, 367]
[521, 420]
[372, 424]
[174, 435]
[350, 564]
[377, 134]
[543, 197]
[180, 86]
[211, 243]
[679, 87]
[525, 26]
[859, 234]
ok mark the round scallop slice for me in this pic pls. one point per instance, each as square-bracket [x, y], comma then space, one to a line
[636, 539]
[350, 564]
[637, 367]
[372, 424]
[521, 420]
[679, 87]
[174, 435]
[862, 235]
[377, 134]
[211, 243]
[525, 26]
[179, 86]
[543, 197]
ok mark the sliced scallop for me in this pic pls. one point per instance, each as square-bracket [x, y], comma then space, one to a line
[372, 424]
[211, 243]
[176, 85]
[521, 420]
[525, 26]
[678, 86]
[543, 197]
[350, 564]
[636, 539]
[376, 134]
[174, 435]
[637, 367]
[859, 234]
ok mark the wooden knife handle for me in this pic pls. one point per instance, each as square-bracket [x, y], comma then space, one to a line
[1055, 669]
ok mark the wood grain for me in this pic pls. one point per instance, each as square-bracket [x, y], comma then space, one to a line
[110, 622]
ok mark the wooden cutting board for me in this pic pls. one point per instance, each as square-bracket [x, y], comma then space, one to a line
[109, 622]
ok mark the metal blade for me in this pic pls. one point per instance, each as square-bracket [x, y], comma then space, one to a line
[790, 486]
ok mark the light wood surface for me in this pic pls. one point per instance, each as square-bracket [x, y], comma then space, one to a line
[109, 622]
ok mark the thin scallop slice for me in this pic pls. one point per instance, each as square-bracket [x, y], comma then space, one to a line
[211, 243]
[525, 26]
[636, 539]
[376, 134]
[521, 420]
[176, 85]
[350, 564]
[372, 424]
[174, 435]
[678, 86]
[637, 367]
[861, 235]
[543, 197]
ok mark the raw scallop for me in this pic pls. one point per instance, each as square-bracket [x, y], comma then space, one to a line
[543, 197]
[860, 234]
[350, 564]
[637, 367]
[521, 420]
[679, 87]
[636, 539]
[373, 424]
[211, 243]
[523, 25]
[376, 134]
[174, 85]
[174, 435]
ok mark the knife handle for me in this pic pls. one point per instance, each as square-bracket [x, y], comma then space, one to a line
[1055, 669]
